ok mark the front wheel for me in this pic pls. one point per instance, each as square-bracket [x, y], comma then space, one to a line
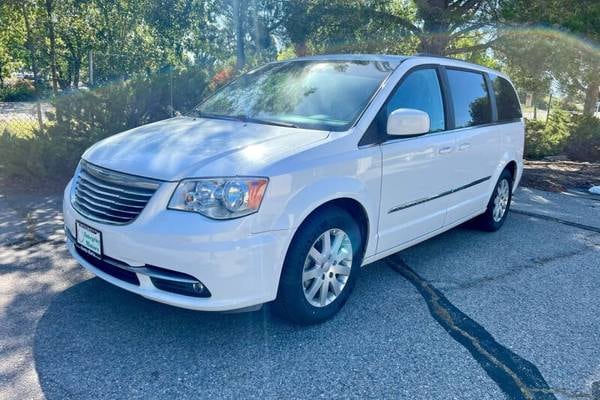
[499, 204]
[320, 268]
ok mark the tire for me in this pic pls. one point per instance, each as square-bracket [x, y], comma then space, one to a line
[499, 204]
[307, 268]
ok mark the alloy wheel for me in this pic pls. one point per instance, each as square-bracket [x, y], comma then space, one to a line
[327, 267]
[501, 200]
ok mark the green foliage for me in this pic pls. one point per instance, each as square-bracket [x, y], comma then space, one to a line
[572, 62]
[132, 40]
[84, 117]
[549, 139]
[20, 90]
[584, 141]
[535, 140]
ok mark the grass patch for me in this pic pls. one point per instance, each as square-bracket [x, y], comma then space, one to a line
[19, 127]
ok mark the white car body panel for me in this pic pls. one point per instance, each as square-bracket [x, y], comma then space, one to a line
[185, 147]
[419, 164]
[240, 260]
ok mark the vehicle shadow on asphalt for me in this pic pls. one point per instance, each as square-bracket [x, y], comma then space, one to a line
[97, 340]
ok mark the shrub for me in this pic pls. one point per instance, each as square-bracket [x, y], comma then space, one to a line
[542, 139]
[81, 118]
[20, 90]
[584, 142]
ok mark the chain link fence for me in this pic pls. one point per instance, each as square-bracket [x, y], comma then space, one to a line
[23, 119]
[26, 118]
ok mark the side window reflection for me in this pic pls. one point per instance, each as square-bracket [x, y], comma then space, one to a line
[421, 91]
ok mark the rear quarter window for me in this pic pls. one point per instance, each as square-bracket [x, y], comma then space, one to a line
[507, 101]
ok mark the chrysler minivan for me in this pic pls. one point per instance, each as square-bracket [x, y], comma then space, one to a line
[281, 185]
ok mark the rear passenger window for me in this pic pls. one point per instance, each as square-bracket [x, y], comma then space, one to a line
[507, 100]
[470, 98]
[420, 90]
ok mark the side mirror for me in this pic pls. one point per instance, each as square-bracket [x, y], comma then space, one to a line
[407, 121]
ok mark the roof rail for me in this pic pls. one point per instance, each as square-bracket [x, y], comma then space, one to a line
[453, 59]
[437, 56]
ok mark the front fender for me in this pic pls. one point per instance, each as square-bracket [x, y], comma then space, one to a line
[287, 212]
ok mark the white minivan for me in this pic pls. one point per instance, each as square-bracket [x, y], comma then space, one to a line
[282, 184]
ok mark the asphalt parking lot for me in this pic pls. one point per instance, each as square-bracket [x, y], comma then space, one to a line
[466, 315]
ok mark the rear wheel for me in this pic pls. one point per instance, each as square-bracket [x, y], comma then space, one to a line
[499, 204]
[321, 266]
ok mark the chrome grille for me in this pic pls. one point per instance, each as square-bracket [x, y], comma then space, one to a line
[111, 197]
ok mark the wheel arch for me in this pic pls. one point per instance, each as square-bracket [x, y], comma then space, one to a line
[352, 207]
[513, 166]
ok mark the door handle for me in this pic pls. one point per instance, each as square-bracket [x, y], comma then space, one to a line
[464, 146]
[445, 150]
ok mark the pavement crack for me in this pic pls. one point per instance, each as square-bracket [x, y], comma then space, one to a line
[534, 262]
[566, 393]
[558, 220]
[517, 377]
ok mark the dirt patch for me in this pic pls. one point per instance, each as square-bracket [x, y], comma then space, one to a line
[558, 176]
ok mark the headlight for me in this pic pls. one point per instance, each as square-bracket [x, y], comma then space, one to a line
[219, 198]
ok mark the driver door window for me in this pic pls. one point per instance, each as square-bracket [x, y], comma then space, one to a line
[421, 91]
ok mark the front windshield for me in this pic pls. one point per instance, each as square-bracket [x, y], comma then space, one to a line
[313, 94]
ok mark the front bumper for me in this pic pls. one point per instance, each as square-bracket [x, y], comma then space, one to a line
[240, 269]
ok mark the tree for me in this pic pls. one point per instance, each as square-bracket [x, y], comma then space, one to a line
[76, 37]
[441, 24]
[300, 18]
[578, 67]
[13, 55]
[49, 5]
[529, 60]
[238, 12]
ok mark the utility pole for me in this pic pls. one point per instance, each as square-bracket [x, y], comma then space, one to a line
[91, 67]
[549, 106]
[171, 89]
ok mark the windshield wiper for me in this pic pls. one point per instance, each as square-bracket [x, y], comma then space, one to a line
[243, 118]
[201, 114]
[266, 121]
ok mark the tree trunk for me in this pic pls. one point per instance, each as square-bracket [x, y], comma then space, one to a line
[548, 108]
[52, 36]
[300, 49]
[591, 97]
[77, 72]
[239, 35]
[30, 46]
[436, 36]
[434, 43]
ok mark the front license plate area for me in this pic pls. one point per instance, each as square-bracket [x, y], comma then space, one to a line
[89, 239]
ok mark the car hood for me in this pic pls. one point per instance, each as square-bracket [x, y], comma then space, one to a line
[184, 147]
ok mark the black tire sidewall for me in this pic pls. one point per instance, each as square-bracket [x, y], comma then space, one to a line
[291, 302]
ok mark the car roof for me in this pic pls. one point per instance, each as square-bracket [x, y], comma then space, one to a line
[354, 57]
[425, 58]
